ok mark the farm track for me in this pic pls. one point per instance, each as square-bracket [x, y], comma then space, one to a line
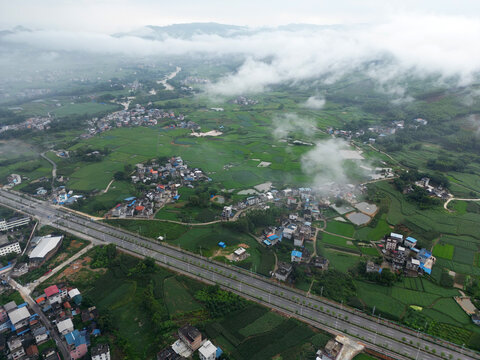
[445, 205]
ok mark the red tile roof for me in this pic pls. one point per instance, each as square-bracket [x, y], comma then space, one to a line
[51, 290]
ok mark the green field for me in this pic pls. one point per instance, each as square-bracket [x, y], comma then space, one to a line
[151, 229]
[340, 261]
[444, 251]
[177, 298]
[338, 242]
[369, 233]
[240, 334]
[204, 240]
[340, 228]
[254, 334]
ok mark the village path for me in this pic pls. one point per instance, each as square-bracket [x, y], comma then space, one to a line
[235, 217]
[322, 229]
[108, 186]
[378, 180]
[445, 205]
[384, 153]
[41, 279]
[54, 168]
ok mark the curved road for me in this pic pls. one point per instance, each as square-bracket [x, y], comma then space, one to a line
[383, 336]
[445, 205]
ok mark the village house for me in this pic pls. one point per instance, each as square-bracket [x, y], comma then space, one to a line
[283, 271]
[296, 256]
[77, 344]
[320, 262]
[100, 352]
[65, 326]
[190, 336]
[168, 354]
[240, 254]
[372, 267]
[16, 348]
[207, 351]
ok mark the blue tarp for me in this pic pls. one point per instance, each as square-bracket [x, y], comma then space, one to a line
[218, 353]
[130, 198]
[222, 244]
[176, 197]
[412, 240]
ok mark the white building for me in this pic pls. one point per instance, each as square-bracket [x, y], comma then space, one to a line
[74, 292]
[101, 352]
[19, 317]
[45, 248]
[207, 351]
[65, 326]
[10, 248]
[4, 226]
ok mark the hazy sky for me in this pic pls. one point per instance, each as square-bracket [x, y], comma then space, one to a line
[121, 15]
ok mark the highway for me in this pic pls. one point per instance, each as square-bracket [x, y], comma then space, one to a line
[378, 334]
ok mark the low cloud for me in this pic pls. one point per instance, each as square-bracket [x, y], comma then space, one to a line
[326, 163]
[406, 46]
[287, 124]
[314, 102]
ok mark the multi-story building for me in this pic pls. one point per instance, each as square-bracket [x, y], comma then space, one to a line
[190, 336]
[13, 247]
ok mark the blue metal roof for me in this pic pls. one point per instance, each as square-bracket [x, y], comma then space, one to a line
[75, 338]
[296, 253]
[427, 270]
[266, 242]
[411, 239]
[130, 198]
[273, 237]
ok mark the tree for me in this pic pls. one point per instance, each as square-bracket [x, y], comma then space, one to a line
[120, 175]
[445, 279]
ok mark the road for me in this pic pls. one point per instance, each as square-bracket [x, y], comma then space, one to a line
[445, 205]
[376, 333]
[71, 259]
[54, 169]
[25, 293]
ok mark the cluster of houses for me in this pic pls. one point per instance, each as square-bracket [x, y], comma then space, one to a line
[195, 80]
[244, 101]
[402, 255]
[165, 180]
[381, 130]
[190, 340]
[13, 180]
[22, 330]
[41, 249]
[62, 196]
[296, 199]
[35, 123]
[61, 305]
[438, 191]
[139, 116]
[295, 229]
